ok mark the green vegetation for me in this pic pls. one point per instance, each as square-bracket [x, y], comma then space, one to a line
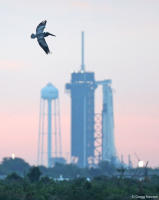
[105, 183]
[10, 165]
[13, 187]
[20, 167]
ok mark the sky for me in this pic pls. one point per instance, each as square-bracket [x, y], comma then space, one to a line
[121, 43]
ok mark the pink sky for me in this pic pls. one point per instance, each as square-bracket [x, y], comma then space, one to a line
[134, 132]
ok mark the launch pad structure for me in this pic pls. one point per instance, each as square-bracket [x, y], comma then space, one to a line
[82, 88]
[92, 134]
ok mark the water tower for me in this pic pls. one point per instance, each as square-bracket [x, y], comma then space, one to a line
[49, 140]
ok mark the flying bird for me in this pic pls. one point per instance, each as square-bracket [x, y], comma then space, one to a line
[40, 35]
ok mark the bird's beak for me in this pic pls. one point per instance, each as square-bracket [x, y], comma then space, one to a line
[53, 35]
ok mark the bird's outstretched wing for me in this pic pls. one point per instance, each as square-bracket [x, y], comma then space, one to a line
[44, 45]
[40, 27]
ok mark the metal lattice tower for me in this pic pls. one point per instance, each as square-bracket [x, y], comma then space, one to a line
[98, 138]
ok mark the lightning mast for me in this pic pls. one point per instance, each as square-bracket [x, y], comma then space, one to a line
[82, 53]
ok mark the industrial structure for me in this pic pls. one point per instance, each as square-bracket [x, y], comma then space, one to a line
[49, 139]
[92, 134]
[82, 88]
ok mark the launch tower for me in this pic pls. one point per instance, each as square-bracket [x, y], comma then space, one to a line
[82, 88]
[92, 134]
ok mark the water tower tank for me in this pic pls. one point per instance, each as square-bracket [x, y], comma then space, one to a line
[49, 92]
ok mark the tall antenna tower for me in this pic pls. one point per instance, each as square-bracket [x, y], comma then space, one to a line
[49, 149]
[82, 52]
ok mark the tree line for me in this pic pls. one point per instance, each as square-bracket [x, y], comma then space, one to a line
[25, 182]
